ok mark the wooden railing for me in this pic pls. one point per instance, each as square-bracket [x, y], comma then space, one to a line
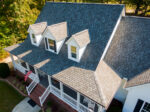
[44, 95]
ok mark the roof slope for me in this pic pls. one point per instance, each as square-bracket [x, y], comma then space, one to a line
[80, 80]
[100, 21]
[38, 28]
[140, 79]
[129, 52]
[59, 31]
[82, 38]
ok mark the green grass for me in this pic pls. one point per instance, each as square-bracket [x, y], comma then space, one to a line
[9, 97]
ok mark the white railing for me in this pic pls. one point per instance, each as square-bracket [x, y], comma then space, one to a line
[44, 95]
[20, 68]
[56, 91]
[69, 100]
[31, 87]
[83, 108]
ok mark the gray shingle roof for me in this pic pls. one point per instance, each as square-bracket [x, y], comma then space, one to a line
[100, 21]
[129, 52]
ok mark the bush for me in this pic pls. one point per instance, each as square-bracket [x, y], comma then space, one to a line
[4, 70]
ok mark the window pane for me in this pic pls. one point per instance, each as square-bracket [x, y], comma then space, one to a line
[32, 69]
[33, 38]
[23, 64]
[82, 101]
[70, 92]
[146, 107]
[73, 49]
[73, 55]
[51, 44]
[55, 83]
[138, 105]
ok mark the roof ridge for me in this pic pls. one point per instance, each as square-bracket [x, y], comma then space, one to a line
[38, 23]
[101, 95]
[85, 3]
[56, 24]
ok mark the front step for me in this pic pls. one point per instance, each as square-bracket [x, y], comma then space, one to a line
[37, 91]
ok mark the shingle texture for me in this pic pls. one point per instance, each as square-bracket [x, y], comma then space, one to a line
[59, 31]
[129, 52]
[81, 80]
[100, 21]
[39, 27]
[82, 38]
[140, 79]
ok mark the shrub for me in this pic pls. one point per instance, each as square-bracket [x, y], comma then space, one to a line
[48, 110]
[4, 70]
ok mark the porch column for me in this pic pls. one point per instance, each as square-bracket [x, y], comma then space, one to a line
[78, 101]
[49, 81]
[13, 61]
[61, 90]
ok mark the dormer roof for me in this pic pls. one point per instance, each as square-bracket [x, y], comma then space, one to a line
[38, 28]
[59, 31]
[82, 38]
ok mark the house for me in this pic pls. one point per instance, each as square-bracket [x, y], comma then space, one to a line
[84, 55]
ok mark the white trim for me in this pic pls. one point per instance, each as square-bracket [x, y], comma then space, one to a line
[61, 90]
[111, 37]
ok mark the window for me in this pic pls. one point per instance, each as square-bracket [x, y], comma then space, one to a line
[70, 92]
[23, 64]
[55, 83]
[33, 38]
[32, 69]
[142, 106]
[73, 52]
[51, 44]
[146, 107]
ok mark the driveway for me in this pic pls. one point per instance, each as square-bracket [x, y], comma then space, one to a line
[26, 105]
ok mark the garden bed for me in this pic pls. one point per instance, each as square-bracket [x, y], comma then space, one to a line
[18, 82]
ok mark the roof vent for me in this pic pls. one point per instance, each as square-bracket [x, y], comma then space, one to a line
[77, 45]
[35, 31]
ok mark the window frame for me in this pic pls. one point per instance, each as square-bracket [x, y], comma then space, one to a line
[73, 53]
[143, 107]
[47, 45]
[34, 38]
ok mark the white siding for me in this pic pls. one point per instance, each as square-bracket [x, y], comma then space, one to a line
[81, 51]
[122, 92]
[59, 45]
[134, 93]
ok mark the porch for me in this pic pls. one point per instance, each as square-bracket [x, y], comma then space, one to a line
[39, 89]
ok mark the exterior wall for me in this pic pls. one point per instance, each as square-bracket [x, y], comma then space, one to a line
[134, 93]
[59, 45]
[81, 51]
[122, 92]
[38, 38]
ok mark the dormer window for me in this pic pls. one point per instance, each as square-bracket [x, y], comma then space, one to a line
[73, 52]
[55, 36]
[36, 31]
[33, 38]
[77, 45]
[51, 44]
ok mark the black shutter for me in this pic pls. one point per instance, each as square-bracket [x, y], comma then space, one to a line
[138, 105]
[55, 46]
[46, 43]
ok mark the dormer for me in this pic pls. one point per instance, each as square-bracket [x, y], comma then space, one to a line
[77, 45]
[54, 37]
[35, 31]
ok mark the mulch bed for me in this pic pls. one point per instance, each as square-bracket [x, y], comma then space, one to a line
[18, 82]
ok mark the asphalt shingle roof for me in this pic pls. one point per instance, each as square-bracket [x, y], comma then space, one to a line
[129, 52]
[99, 19]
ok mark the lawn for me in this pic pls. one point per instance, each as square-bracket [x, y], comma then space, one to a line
[9, 97]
